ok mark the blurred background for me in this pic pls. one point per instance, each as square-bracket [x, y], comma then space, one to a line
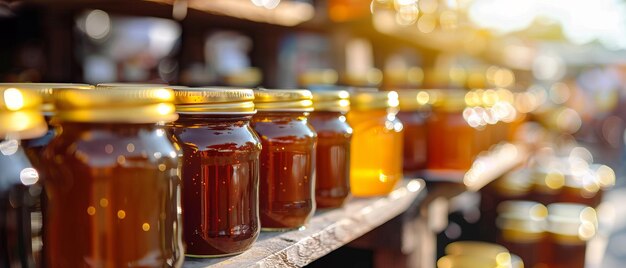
[568, 56]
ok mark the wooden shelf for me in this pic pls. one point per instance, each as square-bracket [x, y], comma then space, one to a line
[327, 231]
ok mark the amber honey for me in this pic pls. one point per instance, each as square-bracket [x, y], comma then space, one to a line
[333, 147]
[113, 181]
[287, 161]
[452, 141]
[413, 114]
[377, 143]
[220, 170]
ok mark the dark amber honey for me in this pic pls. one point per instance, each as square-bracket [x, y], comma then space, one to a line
[287, 181]
[451, 141]
[220, 181]
[415, 134]
[332, 158]
[112, 188]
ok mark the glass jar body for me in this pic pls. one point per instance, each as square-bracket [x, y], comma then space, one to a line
[451, 142]
[376, 149]
[113, 197]
[287, 169]
[332, 158]
[20, 216]
[415, 134]
[220, 182]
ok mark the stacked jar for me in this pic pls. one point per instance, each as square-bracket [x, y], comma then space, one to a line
[287, 167]
[376, 148]
[414, 111]
[521, 226]
[113, 175]
[333, 147]
[220, 169]
[20, 118]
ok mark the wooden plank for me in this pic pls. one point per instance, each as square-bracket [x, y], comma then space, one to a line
[327, 231]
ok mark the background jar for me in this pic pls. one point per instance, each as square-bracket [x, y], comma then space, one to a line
[452, 137]
[20, 215]
[376, 148]
[220, 170]
[570, 226]
[333, 147]
[287, 169]
[113, 180]
[414, 110]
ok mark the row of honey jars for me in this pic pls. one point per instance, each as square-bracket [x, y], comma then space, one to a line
[552, 236]
[20, 215]
[120, 106]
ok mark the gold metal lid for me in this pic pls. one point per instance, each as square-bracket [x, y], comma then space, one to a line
[572, 223]
[45, 91]
[412, 99]
[331, 100]
[475, 248]
[214, 100]
[522, 220]
[20, 113]
[372, 99]
[134, 104]
[287, 100]
[126, 85]
[458, 261]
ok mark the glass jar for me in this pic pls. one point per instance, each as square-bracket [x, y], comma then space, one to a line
[570, 226]
[19, 181]
[113, 180]
[376, 148]
[220, 170]
[452, 143]
[414, 110]
[287, 180]
[521, 226]
[333, 147]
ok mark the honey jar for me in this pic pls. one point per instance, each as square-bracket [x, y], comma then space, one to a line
[113, 180]
[414, 110]
[333, 147]
[220, 169]
[376, 148]
[287, 161]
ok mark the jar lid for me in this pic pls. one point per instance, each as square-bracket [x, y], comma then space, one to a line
[570, 222]
[287, 100]
[371, 99]
[522, 220]
[412, 99]
[458, 261]
[475, 248]
[112, 85]
[20, 113]
[133, 104]
[214, 100]
[45, 91]
[331, 100]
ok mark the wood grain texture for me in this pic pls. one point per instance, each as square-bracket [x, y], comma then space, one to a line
[327, 231]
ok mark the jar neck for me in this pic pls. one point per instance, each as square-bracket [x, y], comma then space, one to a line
[280, 116]
[213, 117]
[122, 128]
[326, 114]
